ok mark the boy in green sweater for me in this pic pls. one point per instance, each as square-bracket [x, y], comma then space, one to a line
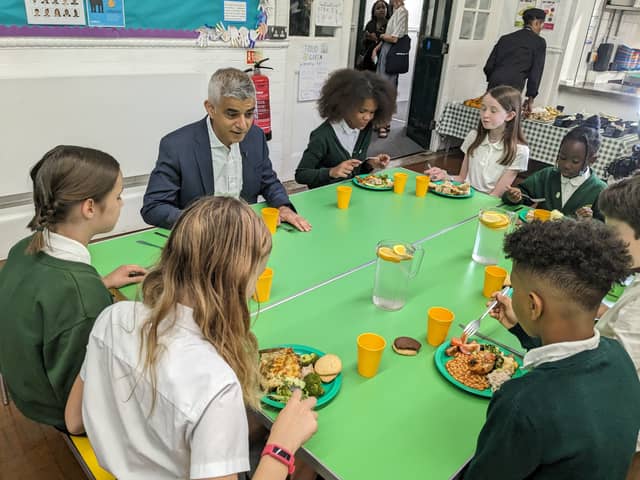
[571, 187]
[576, 414]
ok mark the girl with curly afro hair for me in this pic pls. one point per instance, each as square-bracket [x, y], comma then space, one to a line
[351, 102]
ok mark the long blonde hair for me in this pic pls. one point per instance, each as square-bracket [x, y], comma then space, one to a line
[208, 262]
[510, 99]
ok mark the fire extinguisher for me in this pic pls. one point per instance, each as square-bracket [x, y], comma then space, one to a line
[262, 116]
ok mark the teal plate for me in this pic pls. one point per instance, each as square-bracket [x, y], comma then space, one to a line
[439, 182]
[331, 389]
[441, 359]
[369, 187]
[522, 215]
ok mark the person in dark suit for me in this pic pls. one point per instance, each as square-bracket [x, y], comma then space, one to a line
[519, 57]
[222, 154]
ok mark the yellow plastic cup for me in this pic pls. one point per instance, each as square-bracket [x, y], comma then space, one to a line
[263, 286]
[541, 214]
[494, 278]
[439, 321]
[270, 217]
[344, 195]
[422, 185]
[399, 182]
[370, 348]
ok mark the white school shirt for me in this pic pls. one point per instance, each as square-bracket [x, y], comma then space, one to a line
[65, 248]
[484, 169]
[398, 24]
[555, 352]
[198, 427]
[347, 136]
[227, 166]
[568, 186]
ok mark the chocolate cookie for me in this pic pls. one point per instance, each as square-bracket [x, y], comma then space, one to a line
[406, 346]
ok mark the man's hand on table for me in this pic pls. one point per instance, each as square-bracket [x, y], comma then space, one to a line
[291, 217]
[124, 275]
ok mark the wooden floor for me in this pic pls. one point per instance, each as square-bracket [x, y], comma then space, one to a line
[29, 451]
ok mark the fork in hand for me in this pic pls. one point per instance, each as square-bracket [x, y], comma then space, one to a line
[532, 200]
[473, 326]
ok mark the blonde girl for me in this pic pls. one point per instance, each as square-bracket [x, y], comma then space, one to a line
[50, 295]
[496, 151]
[166, 382]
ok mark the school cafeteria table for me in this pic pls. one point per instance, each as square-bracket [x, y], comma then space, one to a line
[340, 239]
[407, 421]
[543, 138]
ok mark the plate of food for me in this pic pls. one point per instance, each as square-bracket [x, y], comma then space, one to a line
[287, 367]
[451, 189]
[526, 215]
[544, 114]
[478, 368]
[377, 181]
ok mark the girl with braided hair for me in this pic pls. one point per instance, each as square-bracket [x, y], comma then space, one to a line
[50, 295]
[571, 186]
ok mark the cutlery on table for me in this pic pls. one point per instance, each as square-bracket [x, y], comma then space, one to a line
[148, 244]
[473, 326]
[517, 353]
[162, 234]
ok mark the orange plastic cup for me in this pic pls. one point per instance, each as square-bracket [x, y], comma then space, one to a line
[494, 278]
[399, 182]
[344, 195]
[270, 217]
[541, 214]
[370, 348]
[263, 286]
[439, 321]
[422, 185]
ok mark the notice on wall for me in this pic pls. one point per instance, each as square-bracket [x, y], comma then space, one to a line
[314, 70]
[105, 13]
[523, 6]
[329, 13]
[550, 8]
[55, 12]
[235, 11]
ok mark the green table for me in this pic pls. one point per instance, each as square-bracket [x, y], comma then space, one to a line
[408, 421]
[340, 241]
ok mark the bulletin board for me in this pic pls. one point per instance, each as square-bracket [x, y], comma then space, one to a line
[152, 18]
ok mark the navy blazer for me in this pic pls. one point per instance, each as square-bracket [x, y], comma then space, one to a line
[184, 173]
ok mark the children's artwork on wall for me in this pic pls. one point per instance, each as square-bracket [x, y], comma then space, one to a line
[54, 12]
[105, 13]
[242, 36]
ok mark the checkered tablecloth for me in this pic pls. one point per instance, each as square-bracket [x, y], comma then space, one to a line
[543, 139]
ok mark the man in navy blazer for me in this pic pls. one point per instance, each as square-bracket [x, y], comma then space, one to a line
[222, 154]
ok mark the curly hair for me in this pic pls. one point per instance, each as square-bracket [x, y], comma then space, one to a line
[621, 200]
[346, 90]
[580, 259]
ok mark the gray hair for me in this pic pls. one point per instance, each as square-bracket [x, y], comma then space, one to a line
[230, 82]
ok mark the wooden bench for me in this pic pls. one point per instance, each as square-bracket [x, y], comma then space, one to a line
[82, 450]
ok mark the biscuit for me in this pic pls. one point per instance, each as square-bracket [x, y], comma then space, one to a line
[328, 365]
[406, 346]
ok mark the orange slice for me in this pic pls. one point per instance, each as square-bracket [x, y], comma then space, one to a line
[494, 219]
[386, 253]
[401, 251]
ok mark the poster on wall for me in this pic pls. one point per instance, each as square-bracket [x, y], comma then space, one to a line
[329, 13]
[522, 7]
[54, 12]
[550, 7]
[300, 17]
[314, 70]
[105, 13]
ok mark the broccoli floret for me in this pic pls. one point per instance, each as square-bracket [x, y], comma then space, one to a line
[308, 359]
[313, 385]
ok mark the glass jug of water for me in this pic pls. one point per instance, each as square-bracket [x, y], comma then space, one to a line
[397, 264]
[493, 225]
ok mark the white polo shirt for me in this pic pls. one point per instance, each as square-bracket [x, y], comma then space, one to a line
[484, 167]
[198, 428]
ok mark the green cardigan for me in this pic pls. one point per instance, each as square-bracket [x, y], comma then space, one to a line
[573, 418]
[546, 183]
[48, 308]
[325, 151]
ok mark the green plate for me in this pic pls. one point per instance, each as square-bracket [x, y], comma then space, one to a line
[522, 215]
[331, 389]
[441, 359]
[369, 187]
[439, 182]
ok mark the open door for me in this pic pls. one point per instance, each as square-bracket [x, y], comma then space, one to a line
[432, 47]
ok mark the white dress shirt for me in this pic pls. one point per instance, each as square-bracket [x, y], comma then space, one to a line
[569, 186]
[559, 351]
[65, 248]
[347, 136]
[198, 427]
[484, 169]
[227, 166]
[398, 25]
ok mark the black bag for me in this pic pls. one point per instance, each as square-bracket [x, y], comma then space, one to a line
[398, 56]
